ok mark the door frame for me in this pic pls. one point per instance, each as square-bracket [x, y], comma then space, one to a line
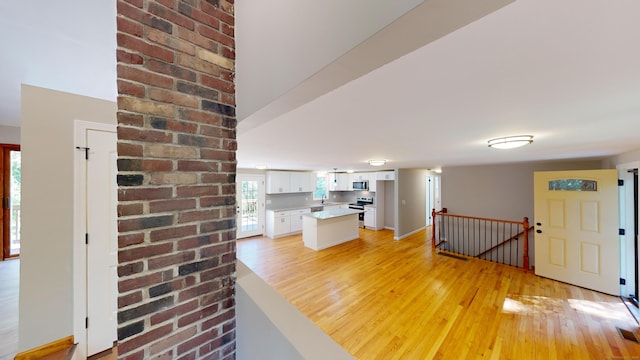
[627, 251]
[261, 197]
[5, 236]
[79, 231]
[431, 203]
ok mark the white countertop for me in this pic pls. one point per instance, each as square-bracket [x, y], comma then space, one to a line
[330, 214]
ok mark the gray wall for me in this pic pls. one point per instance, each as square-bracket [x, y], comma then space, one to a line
[411, 207]
[46, 265]
[9, 135]
[285, 201]
[502, 191]
[389, 204]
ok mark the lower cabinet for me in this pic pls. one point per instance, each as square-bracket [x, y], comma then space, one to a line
[282, 223]
[296, 220]
[370, 217]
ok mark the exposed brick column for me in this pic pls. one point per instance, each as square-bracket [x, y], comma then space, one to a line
[176, 177]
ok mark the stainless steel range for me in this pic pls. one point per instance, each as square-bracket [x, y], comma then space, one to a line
[359, 205]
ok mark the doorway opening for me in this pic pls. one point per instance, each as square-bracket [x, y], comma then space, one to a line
[636, 250]
[10, 178]
[250, 199]
[430, 199]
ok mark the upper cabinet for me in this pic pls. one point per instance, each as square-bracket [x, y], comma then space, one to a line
[386, 175]
[340, 182]
[284, 182]
[303, 182]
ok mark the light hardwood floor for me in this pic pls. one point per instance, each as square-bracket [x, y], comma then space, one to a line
[386, 299]
[9, 287]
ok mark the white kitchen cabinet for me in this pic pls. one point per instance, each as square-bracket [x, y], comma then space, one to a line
[284, 182]
[386, 175]
[357, 176]
[340, 182]
[278, 182]
[373, 184]
[296, 217]
[302, 182]
[282, 226]
[370, 217]
[282, 223]
[277, 223]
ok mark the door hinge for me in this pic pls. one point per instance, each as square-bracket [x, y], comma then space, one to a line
[620, 182]
[86, 238]
[623, 281]
[86, 322]
[621, 232]
[86, 151]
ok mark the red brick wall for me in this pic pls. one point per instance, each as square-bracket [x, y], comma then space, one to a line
[176, 178]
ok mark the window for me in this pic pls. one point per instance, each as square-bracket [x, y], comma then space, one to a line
[322, 189]
[573, 185]
[10, 181]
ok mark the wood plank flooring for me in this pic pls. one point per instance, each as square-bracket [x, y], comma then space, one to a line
[386, 299]
[9, 288]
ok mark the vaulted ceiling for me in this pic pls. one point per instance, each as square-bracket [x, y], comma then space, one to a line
[421, 83]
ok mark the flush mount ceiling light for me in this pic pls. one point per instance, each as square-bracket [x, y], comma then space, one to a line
[377, 162]
[510, 142]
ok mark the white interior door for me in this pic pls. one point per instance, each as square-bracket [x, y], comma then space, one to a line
[576, 222]
[250, 198]
[102, 246]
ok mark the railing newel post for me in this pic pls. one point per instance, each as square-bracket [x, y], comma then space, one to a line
[525, 255]
[433, 228]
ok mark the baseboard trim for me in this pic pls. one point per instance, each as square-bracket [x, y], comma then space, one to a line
[46, 349]
[409, 234]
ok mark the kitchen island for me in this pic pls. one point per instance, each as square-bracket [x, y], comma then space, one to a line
[324, 229]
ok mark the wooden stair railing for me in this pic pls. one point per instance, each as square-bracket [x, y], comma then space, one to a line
[524, 233]
[514, 237]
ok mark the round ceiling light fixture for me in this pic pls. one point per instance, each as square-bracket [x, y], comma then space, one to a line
[377, 162]
[510, 142]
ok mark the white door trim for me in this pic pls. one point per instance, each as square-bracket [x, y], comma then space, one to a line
[79, 231]
[261, 199]
[627, 256]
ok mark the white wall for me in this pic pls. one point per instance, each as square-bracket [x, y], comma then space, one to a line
[46, 271]
[624, 158]
[9, 135]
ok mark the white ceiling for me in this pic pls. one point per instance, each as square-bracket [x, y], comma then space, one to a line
[564, 71]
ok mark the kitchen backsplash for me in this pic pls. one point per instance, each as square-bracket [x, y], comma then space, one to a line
[285, 201]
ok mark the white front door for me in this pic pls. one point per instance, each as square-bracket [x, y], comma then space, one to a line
[250, 198]
[102, 246]
[576, 223]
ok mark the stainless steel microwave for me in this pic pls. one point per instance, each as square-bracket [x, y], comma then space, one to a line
[361, 185]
